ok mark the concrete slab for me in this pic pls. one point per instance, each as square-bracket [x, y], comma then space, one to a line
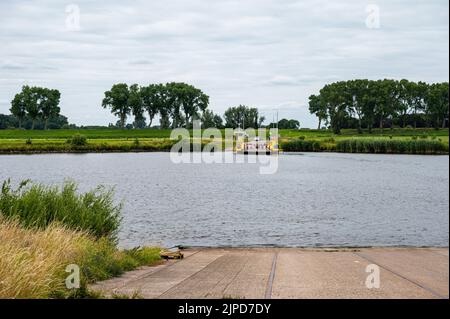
[290, 273]
[303, 274]
[237, 274]
[425, 268]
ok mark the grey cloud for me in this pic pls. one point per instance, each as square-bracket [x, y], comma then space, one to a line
[266, 53]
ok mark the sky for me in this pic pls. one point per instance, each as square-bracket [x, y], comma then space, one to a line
[270, 54]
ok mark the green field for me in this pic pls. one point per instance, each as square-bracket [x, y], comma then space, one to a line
[116, 140]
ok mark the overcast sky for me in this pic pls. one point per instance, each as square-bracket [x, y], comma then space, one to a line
[271, 54]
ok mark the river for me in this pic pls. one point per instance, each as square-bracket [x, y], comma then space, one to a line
[313, 200]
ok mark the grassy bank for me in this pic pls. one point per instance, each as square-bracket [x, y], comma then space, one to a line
[30, 146]
[44, 229]
[151, 140]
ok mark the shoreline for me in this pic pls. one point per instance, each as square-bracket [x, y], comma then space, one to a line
[116, 151]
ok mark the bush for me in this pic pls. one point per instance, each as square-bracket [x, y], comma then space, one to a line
[28, 141]
[77, 140]
[38, 206]
[301, 138]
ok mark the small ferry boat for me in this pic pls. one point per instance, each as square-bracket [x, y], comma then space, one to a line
[256, 146]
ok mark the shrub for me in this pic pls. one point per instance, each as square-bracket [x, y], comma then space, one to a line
[136, 142]
[28, 141]
[38, 206]
[301, 138]
[77, 140]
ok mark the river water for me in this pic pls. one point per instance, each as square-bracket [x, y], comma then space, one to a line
[314, 199]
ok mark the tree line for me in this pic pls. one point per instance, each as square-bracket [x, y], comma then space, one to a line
[176, 104]
[368, 104]
[35, 103]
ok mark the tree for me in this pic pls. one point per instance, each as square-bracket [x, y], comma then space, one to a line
[360, 102]
[370, 102]
[389, 93]
[136, 105]
[243, 116]
[357, 92]
[8, 121]
[32, 103]
[318, 108]
[18, 107]
[406, 96]
[153, 100]
[437, 101]
[49, 101]
[335, 99]
[209, 119]
[285, 124]
[186, 98]
[418, 93]
[117, 99]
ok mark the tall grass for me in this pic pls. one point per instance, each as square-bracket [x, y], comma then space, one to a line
[36, 205]
[33, 261]
[301, 146]
[391, 146]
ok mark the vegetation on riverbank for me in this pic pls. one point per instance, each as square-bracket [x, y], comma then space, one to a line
[397, 142]
[380, 146]
[150, 140]
[36, 205]
[45, 229]
[392, 146]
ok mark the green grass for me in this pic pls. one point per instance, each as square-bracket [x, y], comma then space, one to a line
[155, 133]
[44, 228]
[36, 205]
[89, 133]
[153, 140]
[101, 259]
[33, 260]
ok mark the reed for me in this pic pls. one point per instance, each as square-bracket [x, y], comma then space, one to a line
[301, 146]
[36, 205]
[391, 146]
